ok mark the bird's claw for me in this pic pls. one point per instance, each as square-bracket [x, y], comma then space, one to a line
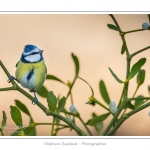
[10, 79]
[35, 101]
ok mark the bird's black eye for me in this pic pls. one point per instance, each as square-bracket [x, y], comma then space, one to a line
[34, 53]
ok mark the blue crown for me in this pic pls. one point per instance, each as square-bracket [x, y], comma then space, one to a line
[29, 48]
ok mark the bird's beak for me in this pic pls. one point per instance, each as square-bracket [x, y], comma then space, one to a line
[41, 51]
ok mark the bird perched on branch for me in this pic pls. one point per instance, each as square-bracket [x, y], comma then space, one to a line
[31, 70]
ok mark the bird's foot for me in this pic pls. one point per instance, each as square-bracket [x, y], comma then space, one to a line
[10, 79]
[35, 101]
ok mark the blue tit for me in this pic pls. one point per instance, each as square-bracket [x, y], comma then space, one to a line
[31, 70]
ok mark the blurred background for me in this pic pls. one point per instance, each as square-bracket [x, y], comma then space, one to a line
[97, 48]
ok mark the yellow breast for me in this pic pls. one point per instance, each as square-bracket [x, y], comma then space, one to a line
[31, 75]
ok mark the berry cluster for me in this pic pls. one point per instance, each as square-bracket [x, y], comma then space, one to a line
[112, 107]
[73, 109]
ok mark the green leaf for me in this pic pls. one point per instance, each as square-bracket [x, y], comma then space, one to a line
[113, 27]
[91, 103]
[61, 104]
[138, 103]
[141, 77]
[16, 115]
[17, 132]
[136, 67]
[42, 92]
[123, 49]
[115, 76]
[4, 119]
[94, 115]
[104, 92]
[95, 120]
[98, 125]
[88, 85]
[129, 105]
[64, 111]
[52, 101]
[52, 77]
[76, 62]
[30, 131]
[22, 107]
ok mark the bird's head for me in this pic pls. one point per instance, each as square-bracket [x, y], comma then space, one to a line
[32, 53]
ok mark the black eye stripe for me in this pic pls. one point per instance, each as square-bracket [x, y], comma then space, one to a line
[34, 53]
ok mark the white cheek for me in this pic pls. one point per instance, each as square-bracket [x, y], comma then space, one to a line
[33, 58]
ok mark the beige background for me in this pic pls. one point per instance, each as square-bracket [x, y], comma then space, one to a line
[97, 47]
